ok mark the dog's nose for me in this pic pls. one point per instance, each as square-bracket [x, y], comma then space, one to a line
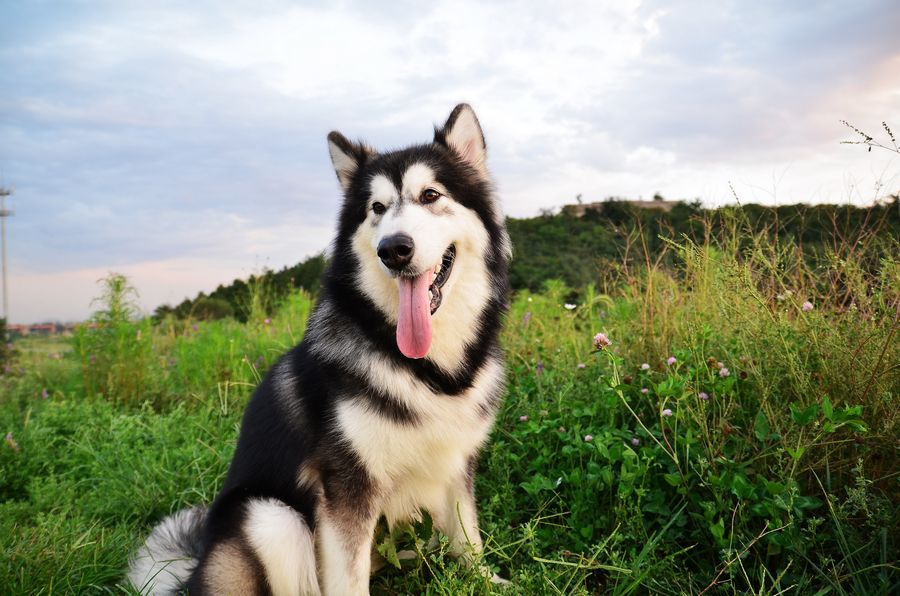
[396, 251]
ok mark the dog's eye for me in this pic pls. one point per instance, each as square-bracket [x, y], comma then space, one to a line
[429, 195]
[378, 208]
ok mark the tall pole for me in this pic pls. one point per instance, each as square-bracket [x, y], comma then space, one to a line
[4, 213]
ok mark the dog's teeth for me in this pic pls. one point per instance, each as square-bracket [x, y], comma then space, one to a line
[430, 295]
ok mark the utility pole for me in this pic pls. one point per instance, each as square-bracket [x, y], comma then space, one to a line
[4, 213]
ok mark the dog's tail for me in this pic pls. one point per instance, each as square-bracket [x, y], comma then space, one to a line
[165, 561]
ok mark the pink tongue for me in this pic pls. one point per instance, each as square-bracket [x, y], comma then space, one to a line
[414, 321]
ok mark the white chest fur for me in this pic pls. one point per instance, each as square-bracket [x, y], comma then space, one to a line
[413, 462]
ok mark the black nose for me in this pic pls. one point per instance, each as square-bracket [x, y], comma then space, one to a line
[396, 251]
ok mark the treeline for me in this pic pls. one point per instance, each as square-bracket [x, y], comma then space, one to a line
[236, 299]
[584, 244]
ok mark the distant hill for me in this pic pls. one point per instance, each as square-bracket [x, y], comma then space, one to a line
[583, 243]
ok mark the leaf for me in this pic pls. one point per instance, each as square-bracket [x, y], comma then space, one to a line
[426, 528]
[827, 410]
[741, 487]
[388, 550]
[804, 416]
[673, 479]
[761, 426]
[718, 530]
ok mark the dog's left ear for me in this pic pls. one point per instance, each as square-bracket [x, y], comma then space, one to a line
[462, 133]
[347, 157]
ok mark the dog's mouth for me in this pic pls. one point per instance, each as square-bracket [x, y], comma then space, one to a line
[420, 298]
[442, 273]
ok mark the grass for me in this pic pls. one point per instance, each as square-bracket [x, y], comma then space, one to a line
[602, 475]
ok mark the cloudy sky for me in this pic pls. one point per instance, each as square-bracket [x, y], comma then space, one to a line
[183, 144]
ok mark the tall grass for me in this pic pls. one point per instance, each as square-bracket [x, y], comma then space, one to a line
[738, 436]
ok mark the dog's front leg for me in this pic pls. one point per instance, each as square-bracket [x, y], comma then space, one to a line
[459, 519]
[344, 539]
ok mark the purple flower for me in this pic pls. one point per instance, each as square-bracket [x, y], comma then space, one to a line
[703, 395]
[523, 418]
[581, 365]
[807, 306]
[645, 391]
[724, 372]
[645, 366]
[268, 321]
[539, 368]
[44, 394]
[588, 438]
[195, 327]
[672, 360]
[526, 318]
[601, 341]
[635, 441]
[667, 412]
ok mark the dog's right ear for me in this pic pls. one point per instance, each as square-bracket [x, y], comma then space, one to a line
[347, 157]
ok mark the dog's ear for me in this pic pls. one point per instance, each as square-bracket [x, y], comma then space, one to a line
[347, 157]
[462, 133]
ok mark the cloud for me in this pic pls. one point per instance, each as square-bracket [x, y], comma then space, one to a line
[164, 132]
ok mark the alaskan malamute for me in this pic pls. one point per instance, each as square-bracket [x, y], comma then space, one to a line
[382, 409]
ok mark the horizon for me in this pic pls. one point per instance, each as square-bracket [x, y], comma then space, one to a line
[185, 146]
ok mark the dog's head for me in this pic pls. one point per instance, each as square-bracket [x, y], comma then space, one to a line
[423, 227]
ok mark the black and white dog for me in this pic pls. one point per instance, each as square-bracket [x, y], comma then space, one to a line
[384, 406]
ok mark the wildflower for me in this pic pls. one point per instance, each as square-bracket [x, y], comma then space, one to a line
[195, 327]
[523, 418]
[569, 306]
[529, 299]
[588, 438]
[672, 360]
[720, 365]
[806, 306]
[703, 395]
[93, 359]
[581, 365]
[645, 366]
[526, 318]
[539, 368]
[724, 372]
[268, 321]
[667, 412]
[601, 341]
[645, 391]
[11, 442]
[635, 441]
[44, 394]
[627, 379]
[561, 429]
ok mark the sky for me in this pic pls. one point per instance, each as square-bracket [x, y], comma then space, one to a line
[183, 144]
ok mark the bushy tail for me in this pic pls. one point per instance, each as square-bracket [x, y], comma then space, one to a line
[165, 561]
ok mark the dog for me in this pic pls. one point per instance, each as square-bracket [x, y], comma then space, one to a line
[382, 409]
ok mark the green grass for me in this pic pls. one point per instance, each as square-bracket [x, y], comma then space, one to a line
[785, 480]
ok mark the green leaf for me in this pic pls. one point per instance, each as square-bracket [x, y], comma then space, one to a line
[388, 550]
[426, 528]
[827, 410]
[673, 479]
[741, 487]
[761, 426]
[804, 416]
[718, 530]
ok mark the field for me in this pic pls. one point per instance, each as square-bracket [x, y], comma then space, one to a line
[738, 435]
